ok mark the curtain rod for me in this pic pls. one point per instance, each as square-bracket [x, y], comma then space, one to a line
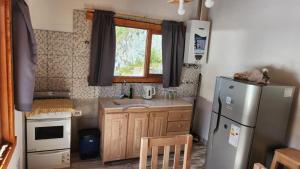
[133, 17]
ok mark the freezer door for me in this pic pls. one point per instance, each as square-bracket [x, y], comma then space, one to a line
[229, 144]
[239, 101]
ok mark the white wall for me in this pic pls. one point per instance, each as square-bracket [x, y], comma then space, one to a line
[57, 14]
[18, 158]
[256, 33]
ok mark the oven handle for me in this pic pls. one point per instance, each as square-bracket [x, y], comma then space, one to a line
[50, 152]
[48, 120]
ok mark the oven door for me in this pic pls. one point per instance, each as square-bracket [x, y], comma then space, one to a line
[48, 134]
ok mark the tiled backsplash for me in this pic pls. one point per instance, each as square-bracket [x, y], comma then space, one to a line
[63, 64]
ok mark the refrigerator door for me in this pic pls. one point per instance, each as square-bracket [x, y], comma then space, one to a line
[229, 144]
[237, 101]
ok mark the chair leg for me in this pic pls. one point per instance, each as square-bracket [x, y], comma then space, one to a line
[275, 163]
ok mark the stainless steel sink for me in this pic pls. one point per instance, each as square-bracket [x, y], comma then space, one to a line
[128, 103]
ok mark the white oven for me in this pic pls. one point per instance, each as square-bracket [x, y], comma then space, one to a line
[48, 140]
[48, 134]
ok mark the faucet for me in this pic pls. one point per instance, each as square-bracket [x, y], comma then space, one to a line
[123, 93]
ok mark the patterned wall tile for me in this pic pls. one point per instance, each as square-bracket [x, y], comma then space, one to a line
[81, 45]
[89, 107]
[42, 66]
[108, 91]
[138, 89]
[41, 37]
[60, 43]
[59, 66]
[60, 84]
[80, 24]
[41, 84]
[81, 67]
[190, 75]
[67, 64]
[159, 90]
[82, 90]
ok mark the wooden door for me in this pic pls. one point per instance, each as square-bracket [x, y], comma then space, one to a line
[115, 137]
[137, 128]
[158, 124]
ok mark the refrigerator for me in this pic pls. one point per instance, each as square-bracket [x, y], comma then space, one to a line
[247, 122]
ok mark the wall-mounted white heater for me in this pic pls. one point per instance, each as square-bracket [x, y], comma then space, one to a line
[196, 42]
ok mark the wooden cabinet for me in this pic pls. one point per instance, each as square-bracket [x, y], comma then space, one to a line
[137, 128]
[115, 132]
[178, 126]
[121, 132]
[158, 124]
[180, 115]
[179, 122]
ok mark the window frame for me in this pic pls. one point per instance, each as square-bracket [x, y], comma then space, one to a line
[7, 135]
[151, 29]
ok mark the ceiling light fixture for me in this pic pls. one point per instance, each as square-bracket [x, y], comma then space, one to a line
[209, 3]
[181, 10]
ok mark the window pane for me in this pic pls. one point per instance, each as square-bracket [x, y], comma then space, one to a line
[130, 51]
[156, 55]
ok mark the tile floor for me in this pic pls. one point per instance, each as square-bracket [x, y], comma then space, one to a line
[198, 159]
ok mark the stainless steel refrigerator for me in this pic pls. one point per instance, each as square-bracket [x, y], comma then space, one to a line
[247, 121]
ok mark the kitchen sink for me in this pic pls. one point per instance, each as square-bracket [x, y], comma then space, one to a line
[127, 102]
[130, 103]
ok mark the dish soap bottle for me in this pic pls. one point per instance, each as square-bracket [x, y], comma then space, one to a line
[131, 92]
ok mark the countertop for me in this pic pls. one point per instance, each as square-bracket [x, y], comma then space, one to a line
[109, 104]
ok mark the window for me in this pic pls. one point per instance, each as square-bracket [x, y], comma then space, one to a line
[6, 86]
[130, 51]
[138, 52]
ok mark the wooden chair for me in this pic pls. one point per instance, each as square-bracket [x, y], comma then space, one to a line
[155, 142]
[259, 166]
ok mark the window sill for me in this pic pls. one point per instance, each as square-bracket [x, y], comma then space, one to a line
[151, 79]
[8, 155]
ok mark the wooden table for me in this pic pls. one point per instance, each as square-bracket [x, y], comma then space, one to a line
[288, 157]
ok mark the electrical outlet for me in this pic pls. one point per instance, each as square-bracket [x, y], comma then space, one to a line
[77, 113]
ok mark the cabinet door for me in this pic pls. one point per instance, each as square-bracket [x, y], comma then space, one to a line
[137, 128]
[115, 137]
[158, 124]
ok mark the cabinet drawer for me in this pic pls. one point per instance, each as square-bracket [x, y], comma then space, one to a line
[177, 126]
[180, 115]
[177, 133]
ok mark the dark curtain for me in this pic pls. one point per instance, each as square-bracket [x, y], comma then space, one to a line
[173, 39]
[24, 56]
[103, 47]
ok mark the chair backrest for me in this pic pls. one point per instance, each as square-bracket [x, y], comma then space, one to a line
[155, 142]
[259, 166]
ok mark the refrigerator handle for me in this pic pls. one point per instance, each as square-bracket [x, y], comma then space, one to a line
[219, 114]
